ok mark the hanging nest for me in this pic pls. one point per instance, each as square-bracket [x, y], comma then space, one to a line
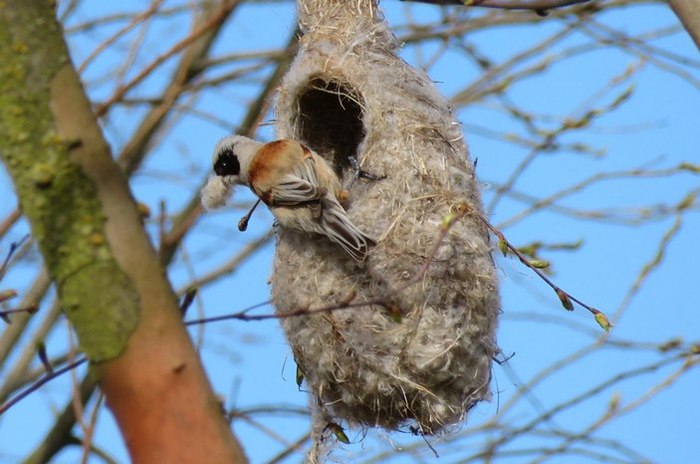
[422, 356]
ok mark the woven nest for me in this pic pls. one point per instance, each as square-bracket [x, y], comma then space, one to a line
[423, 359]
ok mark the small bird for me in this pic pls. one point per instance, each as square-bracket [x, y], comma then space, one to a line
[298, 186]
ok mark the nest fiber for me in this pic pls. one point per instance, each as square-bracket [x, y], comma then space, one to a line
[423, 358]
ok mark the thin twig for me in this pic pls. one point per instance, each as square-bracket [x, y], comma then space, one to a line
[183, 221]
[181, 45]
[504, 438]
[650, 266]
[539, 6]
[89, 433]
[13, 248]
[291, 448]
[9, 221]
[120, 33]
[27, 309]
[232, 264]
[39, 383]
[565, 297]
[460, 210]
[615, 412]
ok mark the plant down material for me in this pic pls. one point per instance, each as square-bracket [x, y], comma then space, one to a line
[423, 356]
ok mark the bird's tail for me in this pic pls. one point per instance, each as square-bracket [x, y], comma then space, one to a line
[337, 227]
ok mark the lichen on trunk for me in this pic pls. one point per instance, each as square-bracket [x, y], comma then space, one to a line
[59, 200]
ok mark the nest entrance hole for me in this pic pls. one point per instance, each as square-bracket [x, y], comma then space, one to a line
[330, 121]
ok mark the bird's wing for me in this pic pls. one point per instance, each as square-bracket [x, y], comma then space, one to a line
[300, 186]
[337, 226]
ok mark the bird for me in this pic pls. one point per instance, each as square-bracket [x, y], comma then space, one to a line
[298, 186]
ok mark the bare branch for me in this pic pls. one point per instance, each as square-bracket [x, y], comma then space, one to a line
[539, 6]
[141, 17]
[13, 378]
[565, 297]
[256, 111]
[688, 11]
[232, 264]
[39, 383]
[60, 433]
[198, 44]
[213, 22]
[9, 221]
[14, 246]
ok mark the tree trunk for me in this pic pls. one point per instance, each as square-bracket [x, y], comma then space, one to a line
[86, 224]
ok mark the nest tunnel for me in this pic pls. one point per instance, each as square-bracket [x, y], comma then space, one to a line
[330, 121]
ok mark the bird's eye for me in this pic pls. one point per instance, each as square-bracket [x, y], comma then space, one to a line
[227, 164]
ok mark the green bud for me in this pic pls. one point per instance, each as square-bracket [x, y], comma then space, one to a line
[602, 320]
[539, 263]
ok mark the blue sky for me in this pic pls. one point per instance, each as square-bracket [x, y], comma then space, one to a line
[249, 362]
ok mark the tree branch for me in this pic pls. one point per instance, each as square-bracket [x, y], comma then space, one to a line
[539, 6]
[88, 228]
[688, 11]
[189, 68]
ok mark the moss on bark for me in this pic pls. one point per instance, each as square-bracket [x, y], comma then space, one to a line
[60, 201]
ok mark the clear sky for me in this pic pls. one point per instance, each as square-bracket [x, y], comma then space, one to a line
[619, 221]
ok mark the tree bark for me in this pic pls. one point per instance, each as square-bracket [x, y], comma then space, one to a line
[688, 11]
[107, 275]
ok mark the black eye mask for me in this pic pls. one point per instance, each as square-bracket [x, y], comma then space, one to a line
[227, 164]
